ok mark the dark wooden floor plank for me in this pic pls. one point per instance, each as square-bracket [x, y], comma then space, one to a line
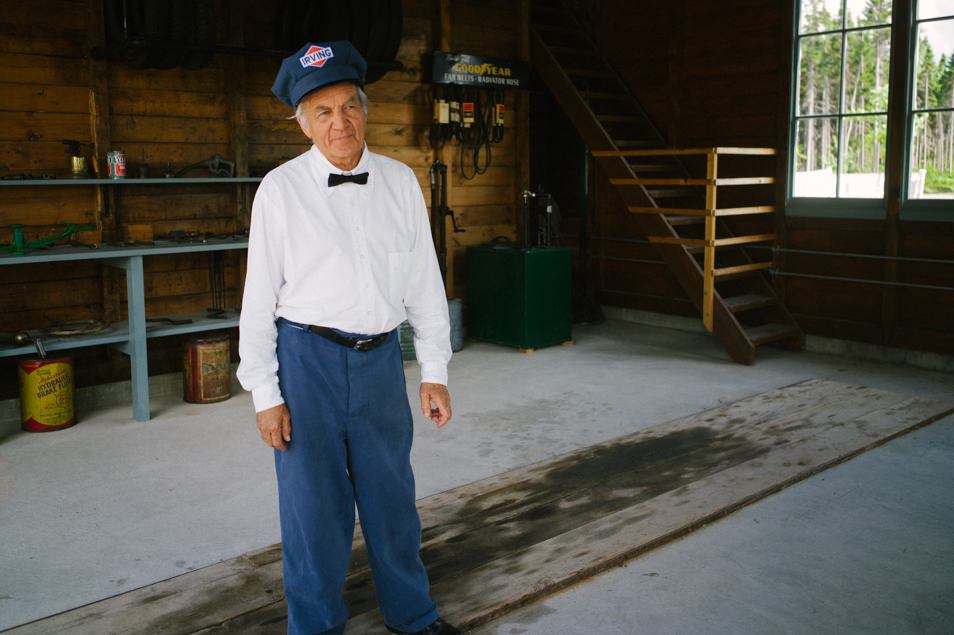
[495, 544]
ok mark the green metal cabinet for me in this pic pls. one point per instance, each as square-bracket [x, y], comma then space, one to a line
[518, 296]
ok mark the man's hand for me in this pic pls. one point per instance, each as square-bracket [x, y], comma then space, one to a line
[436, 403]
[274, 424]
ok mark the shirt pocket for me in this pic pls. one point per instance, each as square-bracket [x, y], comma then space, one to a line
[399, 263]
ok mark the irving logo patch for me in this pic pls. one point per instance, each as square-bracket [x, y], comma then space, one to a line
[316, 56]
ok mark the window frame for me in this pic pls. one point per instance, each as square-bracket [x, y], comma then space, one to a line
[918, 208]
[835, 206]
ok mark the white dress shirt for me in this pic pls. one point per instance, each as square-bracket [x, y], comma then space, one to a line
[359, 258]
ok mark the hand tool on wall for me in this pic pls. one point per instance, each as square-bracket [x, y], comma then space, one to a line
[435, 193]
[217, 286]
[439, 213]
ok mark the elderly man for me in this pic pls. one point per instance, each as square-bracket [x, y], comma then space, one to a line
[340, 253]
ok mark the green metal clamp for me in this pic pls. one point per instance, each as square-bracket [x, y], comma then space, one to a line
[19, 245]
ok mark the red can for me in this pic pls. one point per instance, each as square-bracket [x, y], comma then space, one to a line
[116, 164]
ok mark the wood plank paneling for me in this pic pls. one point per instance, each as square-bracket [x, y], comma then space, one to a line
[140, 101]
[205, 80]
[31, 98]
[169, 129]
[42, 126]
[178, 117]
[36, 206]
[24, 68]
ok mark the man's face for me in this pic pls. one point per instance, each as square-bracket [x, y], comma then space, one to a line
[333, 119]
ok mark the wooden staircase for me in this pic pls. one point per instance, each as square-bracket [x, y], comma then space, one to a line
[677, 212]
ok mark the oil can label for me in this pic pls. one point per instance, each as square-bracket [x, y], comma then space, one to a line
[116, 164]
[206, 371]
[46, 395]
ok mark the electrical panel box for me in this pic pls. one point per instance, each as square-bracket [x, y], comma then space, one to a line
[519, 296]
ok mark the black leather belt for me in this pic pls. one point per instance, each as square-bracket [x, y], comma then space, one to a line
[359, 344]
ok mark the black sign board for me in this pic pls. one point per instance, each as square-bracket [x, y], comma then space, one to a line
[471, 70]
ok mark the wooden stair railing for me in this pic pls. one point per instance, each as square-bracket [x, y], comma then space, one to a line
[710, 213]
[633, 153]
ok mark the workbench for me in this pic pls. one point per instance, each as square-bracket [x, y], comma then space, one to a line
[130, 335]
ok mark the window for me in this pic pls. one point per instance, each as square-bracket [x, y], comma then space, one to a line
[840, 122]
[930, 174]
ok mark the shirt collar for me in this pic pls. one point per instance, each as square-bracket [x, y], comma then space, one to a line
[324, 167]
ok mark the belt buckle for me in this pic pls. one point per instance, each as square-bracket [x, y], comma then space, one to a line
[363, 346]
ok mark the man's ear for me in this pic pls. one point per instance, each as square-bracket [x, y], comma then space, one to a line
[303, 124]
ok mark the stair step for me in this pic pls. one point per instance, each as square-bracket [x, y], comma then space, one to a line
[621, 118]
[604, 96]
[635, 143]
[748, 302]
[549, 8]
[555, 28]
[642, 168]
[587, 72]
[572, 50]
[774, 332]
[671, 193]
[676, 220]
[734, 272]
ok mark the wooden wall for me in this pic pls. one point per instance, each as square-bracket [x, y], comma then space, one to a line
[50, 90]
[713, 73]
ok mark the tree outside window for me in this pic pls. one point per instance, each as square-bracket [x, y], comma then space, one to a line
[841, 112]
[931, 124]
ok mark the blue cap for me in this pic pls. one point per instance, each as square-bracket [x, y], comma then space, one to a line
[315, 66]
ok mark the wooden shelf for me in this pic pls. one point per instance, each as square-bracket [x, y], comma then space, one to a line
[126, 181]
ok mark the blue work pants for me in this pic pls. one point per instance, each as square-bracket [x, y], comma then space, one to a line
[351, 444]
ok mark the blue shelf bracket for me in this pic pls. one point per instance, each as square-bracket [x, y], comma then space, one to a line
[136, 346]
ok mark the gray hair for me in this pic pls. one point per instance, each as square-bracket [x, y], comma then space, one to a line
[362, 98]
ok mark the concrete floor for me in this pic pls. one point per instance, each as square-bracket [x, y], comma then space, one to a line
[112, 505]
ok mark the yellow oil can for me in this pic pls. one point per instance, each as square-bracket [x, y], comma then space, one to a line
[46, 394]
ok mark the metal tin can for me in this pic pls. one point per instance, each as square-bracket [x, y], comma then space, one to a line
[46, 394]
[116, 164]
[206, 370]
[78, 168]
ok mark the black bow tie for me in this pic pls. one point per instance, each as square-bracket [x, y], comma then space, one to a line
[338, 179]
